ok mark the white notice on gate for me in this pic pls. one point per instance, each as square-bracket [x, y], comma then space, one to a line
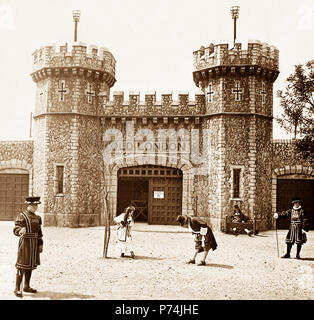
[159, 194]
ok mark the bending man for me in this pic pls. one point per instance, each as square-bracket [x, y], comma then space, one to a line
[203, 236]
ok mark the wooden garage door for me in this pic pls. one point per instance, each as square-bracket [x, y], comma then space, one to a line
[288, 189]
[13, 190]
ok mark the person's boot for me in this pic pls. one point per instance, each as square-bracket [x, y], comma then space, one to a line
[202, 263]
[299, 247]
[18, 281]
[132, 255]
[287, 255]
[27, 287]
[192, 261]
[249, 232]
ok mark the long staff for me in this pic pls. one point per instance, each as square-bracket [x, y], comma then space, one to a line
[276, 237]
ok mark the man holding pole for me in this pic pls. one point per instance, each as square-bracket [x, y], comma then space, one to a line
[298, 224]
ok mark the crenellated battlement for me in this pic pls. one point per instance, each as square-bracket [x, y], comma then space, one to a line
[257, 53]
[76, 55]
[167, 106]
[219, 59]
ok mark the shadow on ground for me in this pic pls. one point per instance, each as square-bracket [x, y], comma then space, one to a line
[146, 258]
[60, 295]
[215, 265]
[136, 258]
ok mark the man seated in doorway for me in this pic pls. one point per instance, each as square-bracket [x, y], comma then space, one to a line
[238, 217]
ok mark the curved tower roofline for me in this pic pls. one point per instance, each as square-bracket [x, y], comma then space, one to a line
[216, 59]
[75, 58]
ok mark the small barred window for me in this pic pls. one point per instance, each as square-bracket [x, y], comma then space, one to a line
[236, 183]
[60, 177]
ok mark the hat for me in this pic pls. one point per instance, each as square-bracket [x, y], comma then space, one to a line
[296, 200]
[32, 200]
[182, 220]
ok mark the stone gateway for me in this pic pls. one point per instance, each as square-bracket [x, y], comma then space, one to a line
[198, 156]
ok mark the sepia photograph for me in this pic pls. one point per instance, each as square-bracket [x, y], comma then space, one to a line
[157, 154]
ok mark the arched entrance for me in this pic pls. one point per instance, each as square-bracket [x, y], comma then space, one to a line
[156, 192]
[289, 183]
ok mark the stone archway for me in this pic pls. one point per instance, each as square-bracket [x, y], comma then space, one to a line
[287, 174]
[187, 180]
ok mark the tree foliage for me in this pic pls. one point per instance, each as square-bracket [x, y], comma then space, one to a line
[297, 102]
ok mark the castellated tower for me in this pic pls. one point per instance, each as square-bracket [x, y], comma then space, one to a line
[68, 131]
[239, 111]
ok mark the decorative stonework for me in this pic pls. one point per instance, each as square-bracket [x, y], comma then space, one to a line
[187, 192]
[259, 59]
[150, 107]
[75, 61]
[73, 111]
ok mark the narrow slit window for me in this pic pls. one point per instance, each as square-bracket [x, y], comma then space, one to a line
[236, 183]
[60, 177]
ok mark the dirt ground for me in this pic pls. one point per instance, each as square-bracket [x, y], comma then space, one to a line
[72, 266]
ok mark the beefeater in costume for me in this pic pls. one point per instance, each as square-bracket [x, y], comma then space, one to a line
[28, 228]
[203, 236]
[298, 223]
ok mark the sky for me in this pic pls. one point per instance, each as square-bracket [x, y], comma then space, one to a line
[152, 42]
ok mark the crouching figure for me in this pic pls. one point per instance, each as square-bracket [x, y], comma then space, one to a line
[203, 236]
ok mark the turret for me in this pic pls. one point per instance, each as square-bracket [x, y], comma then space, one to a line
[238, 85]
[71, 81]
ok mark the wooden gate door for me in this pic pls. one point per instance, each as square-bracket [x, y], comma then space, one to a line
[13, 190]
[165, 200]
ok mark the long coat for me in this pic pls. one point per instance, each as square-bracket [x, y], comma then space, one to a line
[28, 255]
[298, 221]
[196, 224]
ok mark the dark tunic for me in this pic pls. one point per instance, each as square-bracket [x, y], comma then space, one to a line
[238, 217]
[196, 224]
[28, 255]
[298, 222]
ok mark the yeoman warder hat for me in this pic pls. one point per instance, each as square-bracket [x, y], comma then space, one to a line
[32, 200]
